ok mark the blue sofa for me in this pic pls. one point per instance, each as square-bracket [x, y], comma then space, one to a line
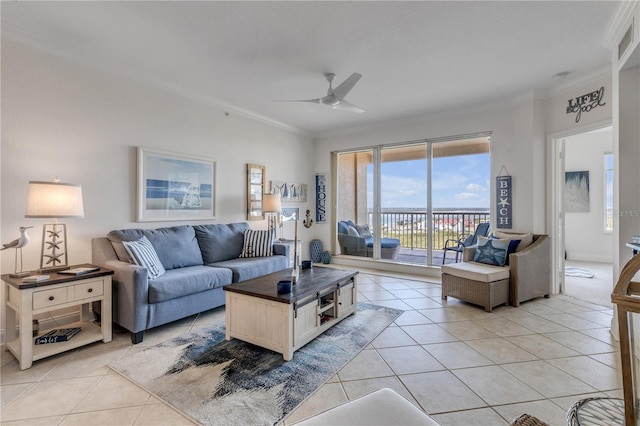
[199, 261]
[357, 240]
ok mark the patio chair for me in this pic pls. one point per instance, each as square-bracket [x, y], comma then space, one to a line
[459, 244]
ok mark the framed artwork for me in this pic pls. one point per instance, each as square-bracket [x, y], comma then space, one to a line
[576, 192]
[290, 191]
[255, 189]
[290, 213]
[175, 187]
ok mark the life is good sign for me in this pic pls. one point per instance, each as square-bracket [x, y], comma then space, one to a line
[586, 103]
[504, 192]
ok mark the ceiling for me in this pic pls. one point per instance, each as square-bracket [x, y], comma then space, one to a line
[415, 57]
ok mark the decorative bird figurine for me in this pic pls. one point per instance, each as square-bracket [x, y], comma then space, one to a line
[20, 242]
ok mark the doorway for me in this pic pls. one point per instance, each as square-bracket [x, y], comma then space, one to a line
[583, 219]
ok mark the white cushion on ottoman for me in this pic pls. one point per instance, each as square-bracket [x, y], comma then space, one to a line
[476, 271]
[381, 407]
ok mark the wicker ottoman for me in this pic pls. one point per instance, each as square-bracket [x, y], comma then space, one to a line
[476, 283]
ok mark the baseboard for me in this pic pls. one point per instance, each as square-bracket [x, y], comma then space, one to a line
[589, 258]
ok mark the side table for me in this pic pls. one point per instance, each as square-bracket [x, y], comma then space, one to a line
[290, 244]
[25, 300]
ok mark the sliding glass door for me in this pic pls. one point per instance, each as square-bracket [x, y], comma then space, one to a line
[401, 203]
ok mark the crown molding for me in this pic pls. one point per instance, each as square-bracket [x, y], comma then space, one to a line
[88, 59]
[618, 24]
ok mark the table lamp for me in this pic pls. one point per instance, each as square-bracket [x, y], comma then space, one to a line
[54, 200]
[271, 204]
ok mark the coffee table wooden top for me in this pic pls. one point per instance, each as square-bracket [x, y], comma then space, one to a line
[310, 282]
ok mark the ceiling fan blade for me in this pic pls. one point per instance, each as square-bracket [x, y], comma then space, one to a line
[315, 101]
[346, 86]
[347, 106]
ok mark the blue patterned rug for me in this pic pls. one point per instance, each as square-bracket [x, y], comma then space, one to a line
[221, 382]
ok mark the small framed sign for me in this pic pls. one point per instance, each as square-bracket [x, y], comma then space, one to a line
[504, 206]
[321, 198]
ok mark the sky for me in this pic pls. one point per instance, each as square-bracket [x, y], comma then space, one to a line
[458, 182]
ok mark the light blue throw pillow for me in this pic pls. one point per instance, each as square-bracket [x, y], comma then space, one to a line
[491, 252]
[143, 254]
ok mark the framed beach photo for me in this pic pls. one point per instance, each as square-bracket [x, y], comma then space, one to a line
[175, 187]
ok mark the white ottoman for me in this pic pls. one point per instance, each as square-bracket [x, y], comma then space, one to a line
[477, 283]
[381, 407]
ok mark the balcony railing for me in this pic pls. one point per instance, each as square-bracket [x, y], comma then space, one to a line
[411, 227]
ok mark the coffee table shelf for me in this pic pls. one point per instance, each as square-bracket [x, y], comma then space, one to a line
[257, 314]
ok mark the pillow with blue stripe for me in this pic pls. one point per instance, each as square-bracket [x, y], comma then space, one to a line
[142, 253]
[491, 252]
[513, 245]
[258, 243]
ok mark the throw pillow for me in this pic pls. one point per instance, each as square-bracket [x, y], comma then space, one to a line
[258, 243]
[364, 231]
[491, 251]
[525, 239]
[513, 245]
[351, 230]
[142, 253]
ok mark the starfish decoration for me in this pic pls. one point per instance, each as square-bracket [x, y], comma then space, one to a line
[54, 244]
[54, 234]
[503, 202]
[54, 258]
[490, 254]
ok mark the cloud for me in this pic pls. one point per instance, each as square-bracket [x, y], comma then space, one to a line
[474, 187]
[466, 196]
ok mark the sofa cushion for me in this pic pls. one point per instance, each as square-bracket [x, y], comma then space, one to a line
[177, 246]
[258, 243]
[476, 271]
[525, 239]
[384, 242]
[352, 231]
[342, 227]
[247, 268]
[364, 231]
[221, 242]
[142, 253]
[491, 251]
[184, 281]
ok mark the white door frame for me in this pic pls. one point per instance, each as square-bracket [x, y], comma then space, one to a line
[557, 232]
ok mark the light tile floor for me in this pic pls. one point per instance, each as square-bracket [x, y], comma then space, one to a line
[460, 364]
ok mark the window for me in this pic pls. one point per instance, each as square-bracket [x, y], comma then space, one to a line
[608, 192]
[402, 202]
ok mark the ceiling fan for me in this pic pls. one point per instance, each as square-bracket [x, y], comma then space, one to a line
[335, 97]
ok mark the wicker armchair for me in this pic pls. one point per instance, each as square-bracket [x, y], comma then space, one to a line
[529, 270]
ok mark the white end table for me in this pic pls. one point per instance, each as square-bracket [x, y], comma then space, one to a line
[60, 291]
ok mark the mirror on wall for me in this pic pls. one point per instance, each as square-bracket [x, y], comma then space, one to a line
[255, 191]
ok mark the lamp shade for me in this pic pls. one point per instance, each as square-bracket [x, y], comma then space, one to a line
[271, 203]
[54, 200]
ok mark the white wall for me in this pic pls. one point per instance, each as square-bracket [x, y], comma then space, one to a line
[67, 120]
[585, 238]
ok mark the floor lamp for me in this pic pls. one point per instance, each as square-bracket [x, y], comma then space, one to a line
[54, 200]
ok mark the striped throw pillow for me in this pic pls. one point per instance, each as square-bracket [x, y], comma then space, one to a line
[142, 253]
[257, 243]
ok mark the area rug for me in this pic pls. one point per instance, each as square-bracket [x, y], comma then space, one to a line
[221, 382]
[578, 272]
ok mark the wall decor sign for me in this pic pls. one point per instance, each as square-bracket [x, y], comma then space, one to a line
[586, 103]
[504, 207]
[290, 214]
[174, 187]
[290, 191]
[576, 192]
[321, 198]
